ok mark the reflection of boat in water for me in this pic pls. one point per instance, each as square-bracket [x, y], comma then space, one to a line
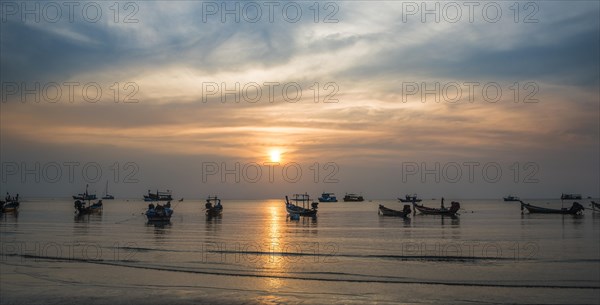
[213, 207]
[159, 213]
[81, 208]
[159, 196]
[107, 196]
[389, 212]
[409, 198]
[511, 198]
[570, 196]
[452, 211]
[295, 210]
[328, 197]
[575, 209]
[353, 198]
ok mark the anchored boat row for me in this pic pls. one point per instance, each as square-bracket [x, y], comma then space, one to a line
[298, 206]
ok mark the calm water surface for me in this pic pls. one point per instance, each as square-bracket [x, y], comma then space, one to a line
[253, 254]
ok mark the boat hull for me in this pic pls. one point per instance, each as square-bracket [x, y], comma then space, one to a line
[296, 210]
[354, 199]
[10, 207]
[442, 211]
[150, 199]
[575, 209]
[327, 200]
[82, 197]
[395, 213]
[81, 209]
[214, 212]
[159, 216]
[409, 200]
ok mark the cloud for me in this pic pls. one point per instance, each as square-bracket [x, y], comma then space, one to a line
[170, 52]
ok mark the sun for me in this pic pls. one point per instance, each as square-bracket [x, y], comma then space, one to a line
[275, 155]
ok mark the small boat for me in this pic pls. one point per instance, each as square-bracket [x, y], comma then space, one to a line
[409, 198]
[9, 206]
[453, 210]
[570, 196]
[389, 212]
[107, 196]
[595, 206]
[511, 198]
[158, 196]
[328, 197]
[81, 208]
[295, 210]
[575, 209]
[159, 213]
[213, 207]
[85, 196]
[353, 198]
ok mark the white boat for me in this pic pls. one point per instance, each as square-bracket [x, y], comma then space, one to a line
[107, 196]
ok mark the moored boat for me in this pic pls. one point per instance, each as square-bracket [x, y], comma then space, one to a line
[85, 196]
[353, 198]
[575, 209]
[565, 196]
[328, 197]
[213, 207]
[9, 206]
[81, 208]
[159, 213]
[158, 196]
[389, 212]
[409, 198]
[444, 211]
[295, 210]
[511, 198]
[107, 196]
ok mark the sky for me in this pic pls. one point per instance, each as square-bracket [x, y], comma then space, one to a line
[265, 99]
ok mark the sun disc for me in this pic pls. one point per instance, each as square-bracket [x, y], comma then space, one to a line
[275, 155]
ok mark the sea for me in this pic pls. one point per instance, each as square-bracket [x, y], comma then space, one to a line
[491, 253]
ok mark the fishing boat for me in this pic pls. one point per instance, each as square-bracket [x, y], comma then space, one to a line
[570, 196]
[353, 198]
[511, 198]
[213, 207]
[81, 208]
[11, 206]
[452, 211]
[159, 213]
[85, 196]
[328, 197]
[409, 198]
[107, 196]
[158, 196]
[300, 207]
[575, 209]
[389, 212]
